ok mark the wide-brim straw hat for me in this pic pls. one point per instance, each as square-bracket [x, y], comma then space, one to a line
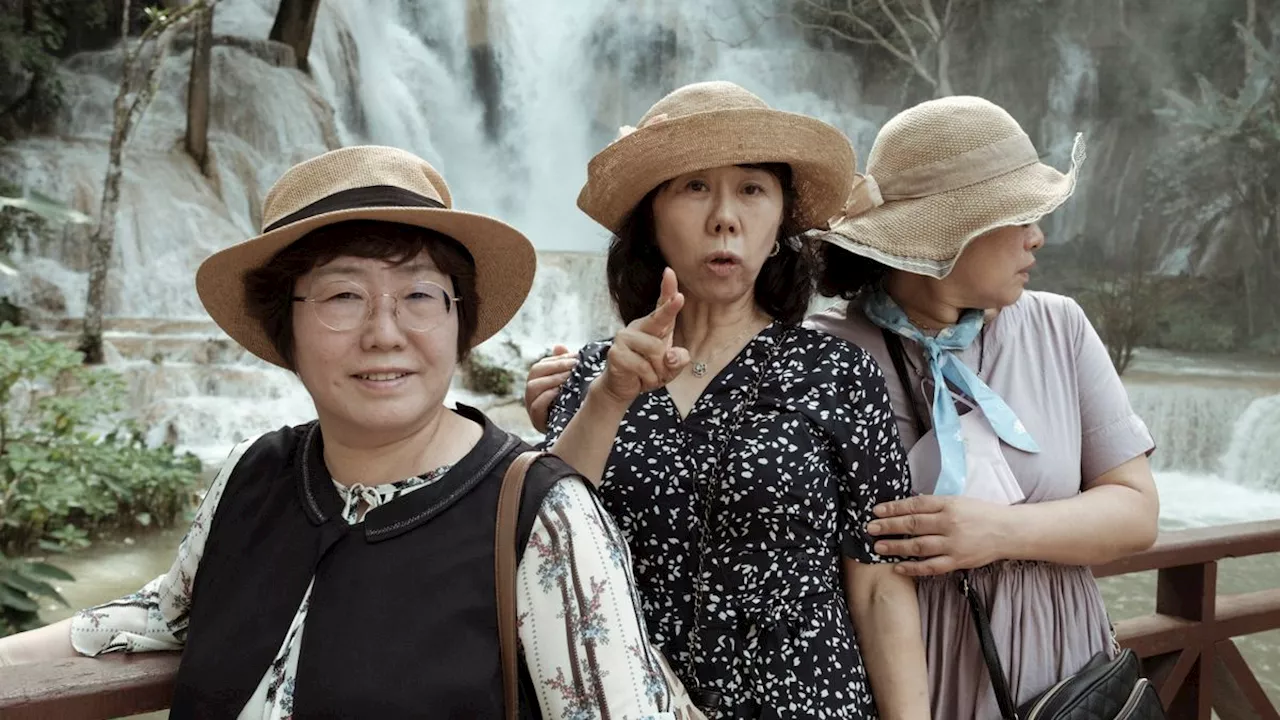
[717, 124]
[941, 174]
[366, 183]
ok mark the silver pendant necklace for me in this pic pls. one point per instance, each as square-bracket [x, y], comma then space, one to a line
[699, 367]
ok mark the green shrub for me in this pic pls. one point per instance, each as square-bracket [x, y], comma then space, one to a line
[486, 376]
[21, 582]
[69, 466]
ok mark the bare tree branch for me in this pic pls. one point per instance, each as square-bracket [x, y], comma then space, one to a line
[159, 34]
[151, 81]
[876, 37]
[906, 10]
[937, 29]
[942, 50]
[755, 29]
[897, 25]
[1250, 23]
[162, 31]
[834, 31]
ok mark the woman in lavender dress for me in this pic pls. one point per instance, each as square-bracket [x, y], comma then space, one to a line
[1031, 463]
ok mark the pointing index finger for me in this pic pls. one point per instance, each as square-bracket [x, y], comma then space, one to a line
[670, 287]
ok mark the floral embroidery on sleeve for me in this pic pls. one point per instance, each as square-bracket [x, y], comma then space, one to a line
[155, 617]
[581, 629]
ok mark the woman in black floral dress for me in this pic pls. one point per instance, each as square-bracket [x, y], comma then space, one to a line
[740, 453]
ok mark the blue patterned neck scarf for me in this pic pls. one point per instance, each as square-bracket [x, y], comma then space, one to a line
[940, 352]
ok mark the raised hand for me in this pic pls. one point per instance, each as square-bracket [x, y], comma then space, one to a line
[642, 357]
[542, 385]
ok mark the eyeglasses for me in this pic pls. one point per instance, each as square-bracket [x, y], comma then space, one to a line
[343, 305]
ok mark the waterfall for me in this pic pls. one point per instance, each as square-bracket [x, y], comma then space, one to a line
[510, 107]
[567, 74]
[1193, 424]
[1253, 457]
[1223, 426]
[264, 118]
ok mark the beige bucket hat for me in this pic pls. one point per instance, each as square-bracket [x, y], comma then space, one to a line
[716, 124]
[366, 183]
[941, 174]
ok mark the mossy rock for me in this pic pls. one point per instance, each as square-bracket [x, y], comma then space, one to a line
[482, 375]
[10, 313]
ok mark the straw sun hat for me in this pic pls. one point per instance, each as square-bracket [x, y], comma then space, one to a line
[366, 183]
[941, 174]
[717, 124]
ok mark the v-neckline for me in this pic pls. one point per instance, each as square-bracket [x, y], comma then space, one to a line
[716, 379]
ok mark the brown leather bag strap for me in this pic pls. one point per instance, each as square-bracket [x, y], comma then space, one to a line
[504, 561]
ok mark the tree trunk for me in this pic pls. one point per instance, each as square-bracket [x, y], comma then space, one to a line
[198, 90]
[939, 28]
[100, 255]
[1250, 26]
[943, 88]
[126, 115]
[485, 72]
[295, 22]
[105, 236]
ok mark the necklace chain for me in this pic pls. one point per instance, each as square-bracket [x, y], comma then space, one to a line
[700, 366]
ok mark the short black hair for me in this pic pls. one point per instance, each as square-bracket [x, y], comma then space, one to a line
[783, 288]
[269, 289]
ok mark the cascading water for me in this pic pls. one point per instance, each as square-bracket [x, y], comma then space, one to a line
[1252, 459]
[510, 107]
[1217, 459]
[1193, 424]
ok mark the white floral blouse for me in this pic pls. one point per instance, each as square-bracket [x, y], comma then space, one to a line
[638, 683]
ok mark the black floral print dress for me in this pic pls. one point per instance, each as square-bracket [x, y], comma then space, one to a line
[811, 455]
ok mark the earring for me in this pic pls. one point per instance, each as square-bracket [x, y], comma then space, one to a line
[777, 248]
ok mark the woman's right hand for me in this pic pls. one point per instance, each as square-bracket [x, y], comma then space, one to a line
[542, 385]
[642, 358]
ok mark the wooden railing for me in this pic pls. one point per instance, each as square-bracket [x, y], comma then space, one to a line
[1186, 644]
[88, 688]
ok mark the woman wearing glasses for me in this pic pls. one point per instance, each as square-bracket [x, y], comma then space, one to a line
[345, 567]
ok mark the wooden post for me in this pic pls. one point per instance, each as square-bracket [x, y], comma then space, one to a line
[1190, 592]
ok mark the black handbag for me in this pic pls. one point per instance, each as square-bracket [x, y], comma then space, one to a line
[1106, 689]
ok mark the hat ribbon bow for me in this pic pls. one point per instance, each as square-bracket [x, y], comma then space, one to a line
[864, 196]
[626, 130]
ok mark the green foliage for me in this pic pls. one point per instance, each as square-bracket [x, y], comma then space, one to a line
[485, 376]
[67, 466]
[9, 312]
[21, 582]
[31, 43]
[1240, 130]
[31, 212]
[16, 223]
[1131, 307]
[46, 207]
[1222, 177]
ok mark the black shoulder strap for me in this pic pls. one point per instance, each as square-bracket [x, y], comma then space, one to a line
[899, 356]
[990, 656]
[981, 621]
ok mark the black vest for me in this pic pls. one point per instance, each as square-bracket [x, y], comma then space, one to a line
[402, 620]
